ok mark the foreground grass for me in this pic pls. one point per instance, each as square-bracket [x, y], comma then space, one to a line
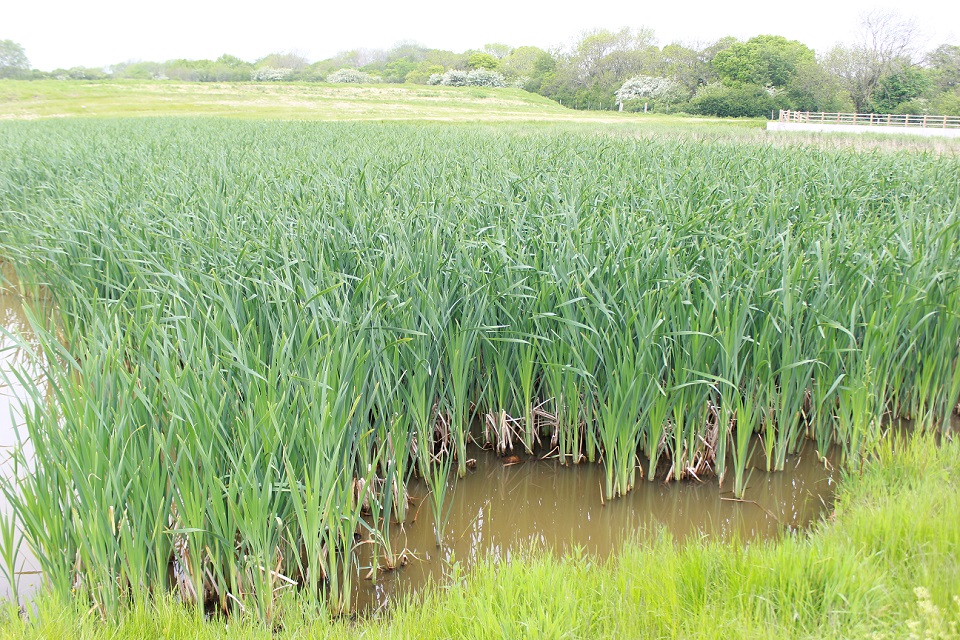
[885, 565]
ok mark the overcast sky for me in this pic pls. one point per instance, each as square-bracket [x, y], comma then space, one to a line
[66, 33]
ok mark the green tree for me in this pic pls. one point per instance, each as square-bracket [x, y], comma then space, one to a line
[422, 73]
[542, 73]
[886, 45]
[188, 70]
[483, 61]
[292, 60]
[770, 61]
[230, 68]
[520, 62]
[139, 70]
[689, 65]
[232, 61]
[944, 65]
[396, 70]
[223, 69]
[897, 88]
[610, 57]
[588, 75]
[342, 60]
[412, 51]
[13, 60]
[947, 103]
[447, 59]
[814, 88]
[497, 49]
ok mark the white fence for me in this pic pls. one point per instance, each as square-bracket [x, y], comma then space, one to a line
[910, 125]
[870, 119]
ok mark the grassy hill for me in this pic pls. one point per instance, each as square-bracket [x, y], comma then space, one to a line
[302, 101]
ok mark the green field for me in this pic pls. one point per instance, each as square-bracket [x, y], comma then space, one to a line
[303, 101]
[503, 108]
[265, 329]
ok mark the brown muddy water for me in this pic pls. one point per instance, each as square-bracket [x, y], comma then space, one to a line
[500, 509]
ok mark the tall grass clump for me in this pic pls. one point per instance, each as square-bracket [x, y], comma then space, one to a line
[265, 330]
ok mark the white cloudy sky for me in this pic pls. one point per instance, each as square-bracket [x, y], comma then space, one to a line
[65, 33]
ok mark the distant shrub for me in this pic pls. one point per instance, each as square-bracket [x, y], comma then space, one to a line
[80, 73]
[423, 73]
[917, 106]
[270, 74]
[435, 79]
[485, 78]
[138, 71]
[946, 104]
[351, 76]
[736, 101]
[454, 78]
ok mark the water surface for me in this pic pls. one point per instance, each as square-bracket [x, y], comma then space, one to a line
[500, 509]
[12, 396]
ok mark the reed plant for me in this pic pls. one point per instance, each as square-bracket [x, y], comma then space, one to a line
[265, 330]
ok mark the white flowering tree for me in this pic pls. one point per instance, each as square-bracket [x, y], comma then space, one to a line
[454, 78]
[351, 76]
[270, 74]
[653, 89]
[485, 78]
[475, 78]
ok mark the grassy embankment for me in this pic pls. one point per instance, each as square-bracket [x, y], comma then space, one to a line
[23, 100]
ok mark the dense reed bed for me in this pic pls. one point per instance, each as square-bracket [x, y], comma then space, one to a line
[265, 329]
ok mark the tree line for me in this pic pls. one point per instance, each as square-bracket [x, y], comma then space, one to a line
[882, 71]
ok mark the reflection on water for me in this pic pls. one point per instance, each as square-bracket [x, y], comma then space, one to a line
[12, 395]
[499, 509]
